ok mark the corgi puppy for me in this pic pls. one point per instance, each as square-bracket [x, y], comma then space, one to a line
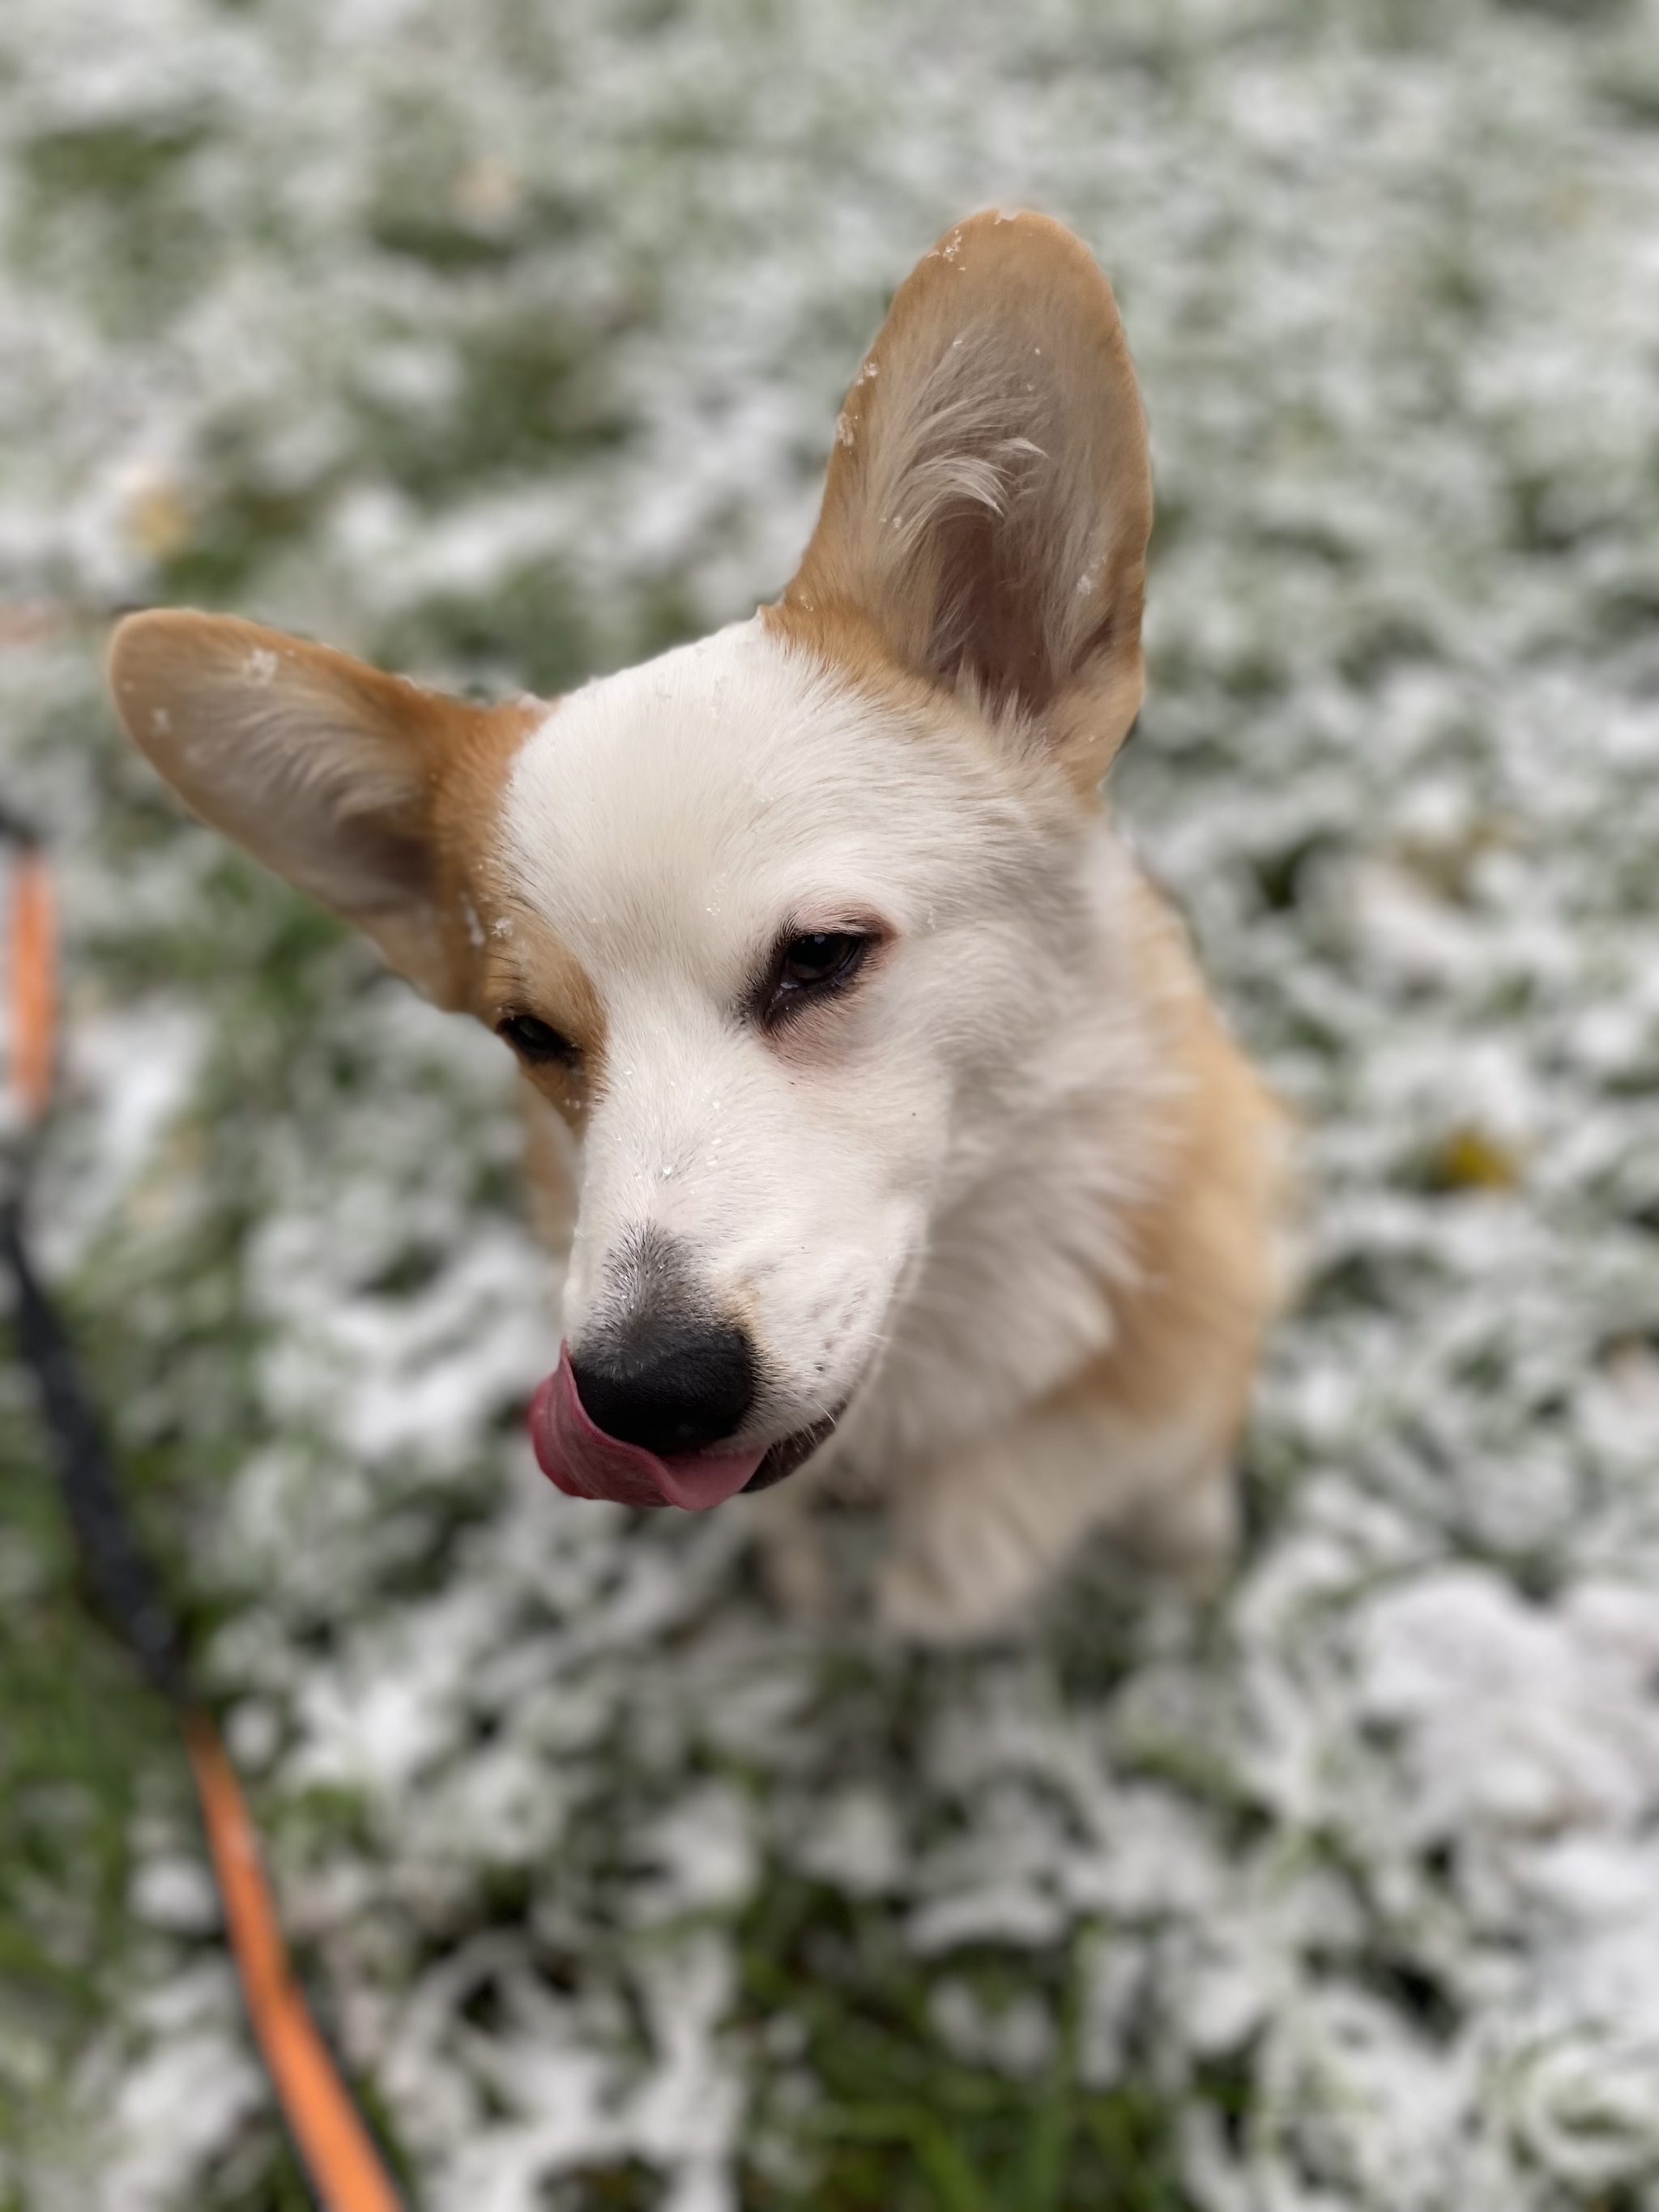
[873, 1087]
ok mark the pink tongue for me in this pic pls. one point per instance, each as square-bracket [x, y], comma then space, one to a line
[584, 1462]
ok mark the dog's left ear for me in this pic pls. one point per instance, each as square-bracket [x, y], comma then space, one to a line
[988, 499]
[325, 768]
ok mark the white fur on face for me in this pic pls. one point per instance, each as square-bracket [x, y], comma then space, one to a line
[671, 825]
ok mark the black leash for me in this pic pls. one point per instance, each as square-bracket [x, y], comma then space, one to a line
[119, 1578]
[346, 2171]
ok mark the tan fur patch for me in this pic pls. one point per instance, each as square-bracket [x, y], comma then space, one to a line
[531, 971]
[506, 959]
[1189, 1331]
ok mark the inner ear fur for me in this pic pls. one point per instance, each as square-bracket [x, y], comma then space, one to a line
[988, 498]
[324, 768]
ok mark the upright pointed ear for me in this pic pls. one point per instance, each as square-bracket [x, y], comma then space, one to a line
[988, 499]
[325, 769]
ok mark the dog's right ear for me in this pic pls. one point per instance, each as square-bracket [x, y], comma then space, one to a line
[325, 768]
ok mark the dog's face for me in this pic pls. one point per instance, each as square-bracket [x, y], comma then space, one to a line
[787, 923]
[779, 920]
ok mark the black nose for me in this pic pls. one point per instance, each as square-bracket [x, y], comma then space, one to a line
[673, 1386]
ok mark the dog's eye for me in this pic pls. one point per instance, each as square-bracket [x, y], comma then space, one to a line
[537, 1041]
[811, 967]
[821, 958]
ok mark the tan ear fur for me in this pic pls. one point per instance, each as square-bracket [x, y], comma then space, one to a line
[325, 769]
[988, 498]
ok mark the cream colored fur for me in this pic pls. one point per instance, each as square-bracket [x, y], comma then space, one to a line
[1009, 1203]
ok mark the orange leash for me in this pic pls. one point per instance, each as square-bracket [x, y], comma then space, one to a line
[345, 2169]
[331, 2138]
[33, 1030]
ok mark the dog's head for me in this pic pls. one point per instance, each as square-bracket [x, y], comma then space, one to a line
[774, 920]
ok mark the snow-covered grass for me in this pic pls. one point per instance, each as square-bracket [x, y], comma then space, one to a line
[503, 342]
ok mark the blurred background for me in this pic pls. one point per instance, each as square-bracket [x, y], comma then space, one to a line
[502, 343]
